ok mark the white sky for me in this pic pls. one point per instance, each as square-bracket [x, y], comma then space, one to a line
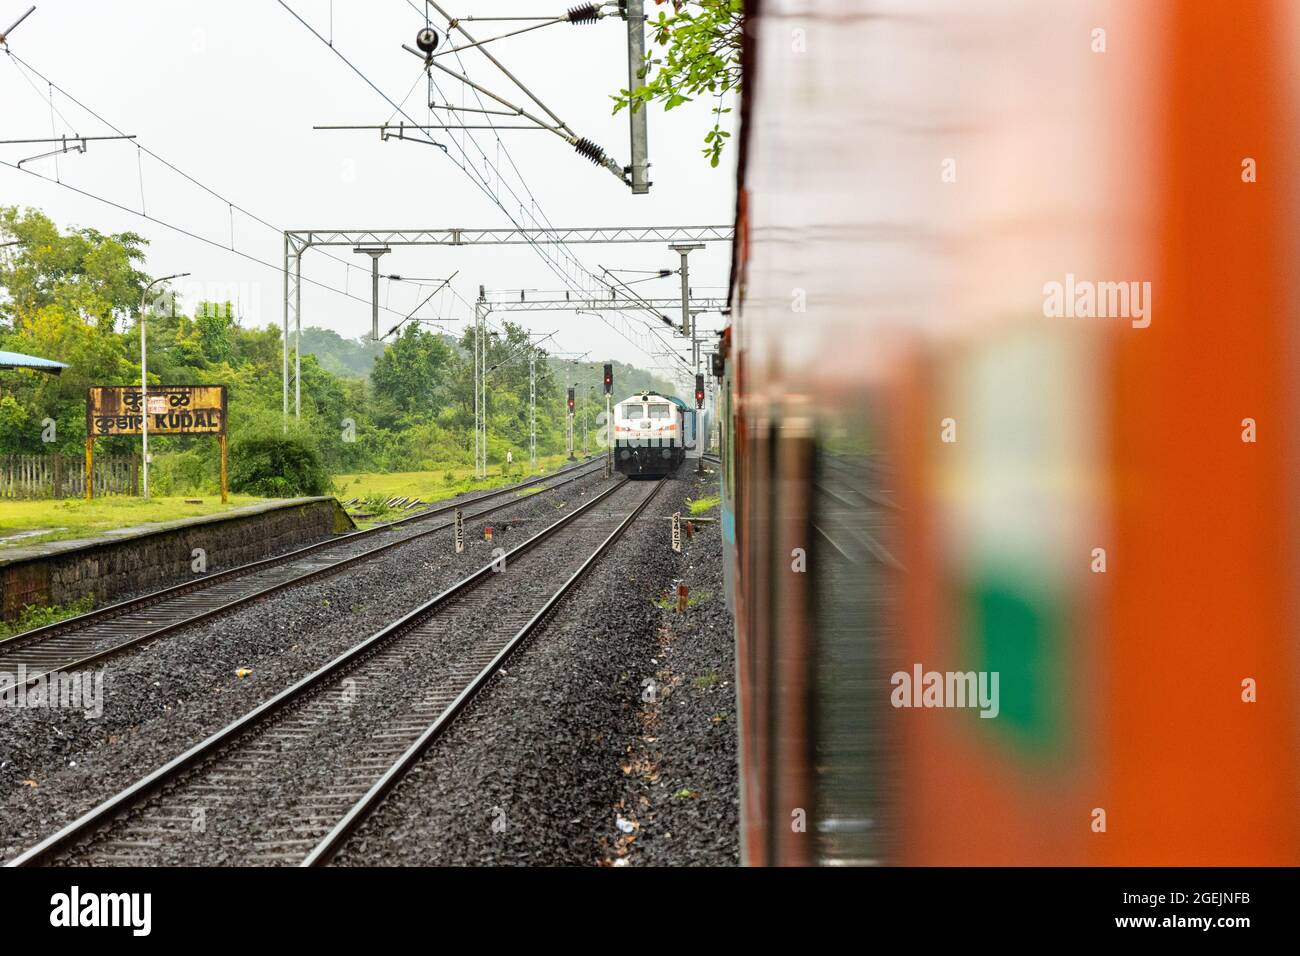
[229, 92]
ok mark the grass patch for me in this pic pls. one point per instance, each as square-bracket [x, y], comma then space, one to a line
[669, 601]
[34, 617]
[701, 505]
[705, 681]
[436, 483]
[61, 519]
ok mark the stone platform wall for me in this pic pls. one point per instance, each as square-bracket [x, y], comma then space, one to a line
[138, 560]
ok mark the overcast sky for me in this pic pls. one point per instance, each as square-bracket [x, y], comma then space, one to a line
[229, 93]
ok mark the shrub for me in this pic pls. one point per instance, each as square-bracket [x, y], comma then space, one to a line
[276, 464]
[181, 473]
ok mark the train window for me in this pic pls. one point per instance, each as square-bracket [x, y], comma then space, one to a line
[633, 411]
[658, 411]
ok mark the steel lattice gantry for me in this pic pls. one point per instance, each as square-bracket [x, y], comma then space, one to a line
[596, 302]
[298, 241]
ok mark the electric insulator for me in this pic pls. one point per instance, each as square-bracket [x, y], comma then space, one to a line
[587, 13]
[586, 147]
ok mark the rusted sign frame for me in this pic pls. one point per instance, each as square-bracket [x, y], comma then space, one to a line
[161, 390]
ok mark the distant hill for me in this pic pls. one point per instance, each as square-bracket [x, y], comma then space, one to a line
[356, 357]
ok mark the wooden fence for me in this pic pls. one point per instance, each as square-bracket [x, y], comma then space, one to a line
[64, 476]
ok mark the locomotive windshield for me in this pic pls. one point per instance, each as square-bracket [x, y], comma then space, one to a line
[633, 411]
[659, 411]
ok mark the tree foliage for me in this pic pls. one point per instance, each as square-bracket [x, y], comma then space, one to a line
[412, 374]
[701, 56]
[271, 462]
[74, 296]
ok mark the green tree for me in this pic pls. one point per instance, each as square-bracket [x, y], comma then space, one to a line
[412, 373]
[216, 327]
[83, 270]
[701, 55]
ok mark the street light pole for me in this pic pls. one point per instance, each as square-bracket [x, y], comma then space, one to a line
[144, 382]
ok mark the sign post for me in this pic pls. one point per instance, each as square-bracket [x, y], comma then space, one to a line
[90, 470]
[460, 531]
[677, 531]
[225, 497]
[163, 410]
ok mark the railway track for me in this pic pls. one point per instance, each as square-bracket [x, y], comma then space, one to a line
[92, 637]
[857, 577]
[287, 782]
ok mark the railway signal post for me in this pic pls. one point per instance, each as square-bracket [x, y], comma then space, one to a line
[609, 420]
[699, 406]
[571, 423]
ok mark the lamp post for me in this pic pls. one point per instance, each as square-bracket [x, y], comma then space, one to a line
[144, 383]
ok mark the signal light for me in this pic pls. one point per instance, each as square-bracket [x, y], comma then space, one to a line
[570, 401]
[609, 378]
[699, 391]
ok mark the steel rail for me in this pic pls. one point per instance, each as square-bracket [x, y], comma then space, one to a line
[83, 826]
[144, 600]
[329, 846]
[64, 628]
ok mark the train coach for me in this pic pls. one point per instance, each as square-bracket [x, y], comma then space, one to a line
[1011, 575]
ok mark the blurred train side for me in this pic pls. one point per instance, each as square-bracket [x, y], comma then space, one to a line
[913, 175]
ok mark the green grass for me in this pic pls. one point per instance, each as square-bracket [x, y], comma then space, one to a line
[669, 601]
[33, 617]
[432, 485]
[701, 505]
[705, 681]
[61, 519]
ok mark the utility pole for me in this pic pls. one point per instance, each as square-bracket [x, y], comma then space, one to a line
[685, 249]
[480, 385]
[532, 402]
[634, 12]
[374, 252]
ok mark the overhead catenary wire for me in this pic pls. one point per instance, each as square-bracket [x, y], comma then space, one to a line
[22, 65]
[478, 179]
[142, 150]
[182, 231]
[582, 268]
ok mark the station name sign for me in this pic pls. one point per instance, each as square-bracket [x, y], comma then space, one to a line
[173, 410]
